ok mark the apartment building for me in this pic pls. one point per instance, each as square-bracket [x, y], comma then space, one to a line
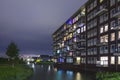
[91, 36]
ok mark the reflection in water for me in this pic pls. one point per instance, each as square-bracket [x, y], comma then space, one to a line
[78, 76]
[48, 72]
[28, 63]
[55, 69]
[69, 75]
[41, 66]
[33, 65]
[59, 75]
[49, 68]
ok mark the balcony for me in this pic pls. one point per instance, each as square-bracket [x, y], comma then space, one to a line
[117, 14]
[117, 27]
[81, 15]
[101, 11]
[80, 40]
[71, 44]
[102, 44]
[80, 48]
[70, 31]
[71, 50]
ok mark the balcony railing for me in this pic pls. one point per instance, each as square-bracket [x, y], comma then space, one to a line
[117, 14]
[80, 48]
[117, 27]
[101, 11]
[81, 40]
[102, 44]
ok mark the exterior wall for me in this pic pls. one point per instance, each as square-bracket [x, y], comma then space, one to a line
[91, 37]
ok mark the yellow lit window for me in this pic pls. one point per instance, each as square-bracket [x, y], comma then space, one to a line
[71, 35]
[112, 36]
[64, 38]
[101, 1]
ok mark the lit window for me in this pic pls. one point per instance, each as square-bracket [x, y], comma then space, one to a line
[119, 35]
[78, 60]
[75, 39]
[106, 27]
[78, 30]
[104, 38]
[101, 1]
[118, 59]
[64, 27]
[65, 38]
[112, 36]
[104, 61]
[69, 60]
[74, 27]
[82, 29]
[112, 60]
[70, 35]
[101, 29]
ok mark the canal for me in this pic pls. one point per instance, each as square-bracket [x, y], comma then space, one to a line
[49, 72]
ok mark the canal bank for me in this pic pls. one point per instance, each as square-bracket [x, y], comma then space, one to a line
[82, 68]
[72, 67]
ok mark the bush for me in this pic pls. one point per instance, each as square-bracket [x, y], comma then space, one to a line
[19, 72]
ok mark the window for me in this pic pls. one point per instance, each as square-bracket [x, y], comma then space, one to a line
[113, 24]
[106, 28]
[112, 60]
[101, 1]
[101, 29]
[104, 17]
[112, 2]
[112, 12]
[101, 50]
[119, 47]
[112, 48]
[105, 49]
[112, 36]
[95, 50]
[119, 35]
[78, 30]
[104, 61]
[104, 38]
[118, 59]
[82, 29]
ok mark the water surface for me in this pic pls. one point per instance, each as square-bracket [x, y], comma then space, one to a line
[48, 72]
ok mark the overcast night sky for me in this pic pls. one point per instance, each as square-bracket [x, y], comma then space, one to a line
[30, 23]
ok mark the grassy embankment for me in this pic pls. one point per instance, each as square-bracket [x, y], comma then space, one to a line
[18, 72]
[108, 76]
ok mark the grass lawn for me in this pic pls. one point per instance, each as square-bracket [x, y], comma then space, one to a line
[18, 72]
[108, 76]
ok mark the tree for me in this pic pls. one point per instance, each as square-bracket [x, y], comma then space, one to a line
[12, 51]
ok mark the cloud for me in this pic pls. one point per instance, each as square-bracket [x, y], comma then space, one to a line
[30, 23]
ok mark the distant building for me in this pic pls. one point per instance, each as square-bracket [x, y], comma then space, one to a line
[45, 57]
